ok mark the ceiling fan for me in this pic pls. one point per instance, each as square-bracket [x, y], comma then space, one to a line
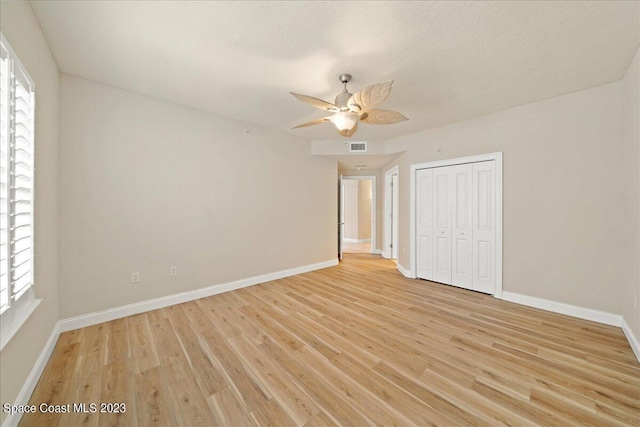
[349, 109]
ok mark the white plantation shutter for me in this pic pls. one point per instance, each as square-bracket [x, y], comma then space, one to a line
[17, 120]
[21, 193]
[4, 171]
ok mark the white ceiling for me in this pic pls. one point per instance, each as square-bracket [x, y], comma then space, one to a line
[450, 60]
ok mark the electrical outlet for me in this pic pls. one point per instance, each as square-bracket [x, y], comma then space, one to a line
[173, 271]
[135, 277]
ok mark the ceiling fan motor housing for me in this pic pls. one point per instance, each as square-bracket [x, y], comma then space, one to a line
[342, 99]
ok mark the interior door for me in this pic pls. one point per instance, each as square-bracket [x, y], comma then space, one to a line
[484, 227]
[461, 240]
[442, 191]
[340, 215]
[424, 223]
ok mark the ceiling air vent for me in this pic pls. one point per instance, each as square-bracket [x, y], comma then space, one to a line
[357, 147]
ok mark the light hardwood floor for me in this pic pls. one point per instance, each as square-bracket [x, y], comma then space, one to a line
[357, 344]
[356, 248]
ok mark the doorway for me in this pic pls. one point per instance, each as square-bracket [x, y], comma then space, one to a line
[358, 204]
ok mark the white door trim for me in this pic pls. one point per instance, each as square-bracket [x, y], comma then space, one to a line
[497, 157]
[374, 196]
[387, 210]
[395, 226]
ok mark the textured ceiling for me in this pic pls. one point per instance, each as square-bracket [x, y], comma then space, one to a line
[450, 60]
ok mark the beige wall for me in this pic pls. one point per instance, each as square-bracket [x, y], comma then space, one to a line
[364, 209]
[357, 209]
[564, 231]
[350, 209]
[18, 357]
[631, 140]
[146, 184]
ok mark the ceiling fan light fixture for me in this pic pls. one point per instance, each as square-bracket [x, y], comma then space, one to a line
[349, 109]
[345, 120]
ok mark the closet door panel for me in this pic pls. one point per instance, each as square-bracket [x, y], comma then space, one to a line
[461, 256]
[424, 223]
[442, 193]
[484, 227]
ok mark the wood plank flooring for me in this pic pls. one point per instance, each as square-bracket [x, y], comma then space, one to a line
[352, 345]
[356, 248]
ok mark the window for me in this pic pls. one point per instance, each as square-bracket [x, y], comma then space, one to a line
[17, 117]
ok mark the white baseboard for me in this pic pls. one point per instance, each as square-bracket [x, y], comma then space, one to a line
[631, 337]
[139, 307]
[404, 271]
[349, 240]
[579, 312]
[377, 251]
[561, 308]
[153, 304]
[30, 383]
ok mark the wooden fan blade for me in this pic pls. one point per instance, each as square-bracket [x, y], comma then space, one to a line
[312, 122]
[315, 102]
[370, 96]
[349, 133]
[377, 116]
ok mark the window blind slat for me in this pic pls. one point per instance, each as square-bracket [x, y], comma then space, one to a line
[22, 140]
[21, 263]
[24, 244]
[22, 283]
[20, 239]
[21, 251]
